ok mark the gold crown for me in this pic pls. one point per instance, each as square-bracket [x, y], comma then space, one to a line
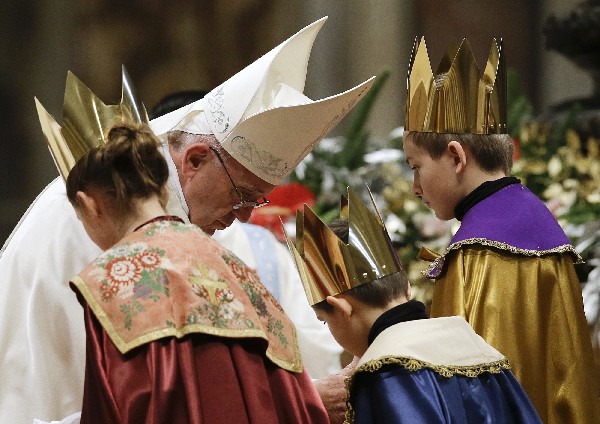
[456, 99]
[86, 121]
[328, 266]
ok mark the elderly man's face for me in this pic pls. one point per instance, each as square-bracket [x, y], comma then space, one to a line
[208, 190]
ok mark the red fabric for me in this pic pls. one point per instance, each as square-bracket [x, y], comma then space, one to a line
[291, 195]
[198, 379]
[284, 201]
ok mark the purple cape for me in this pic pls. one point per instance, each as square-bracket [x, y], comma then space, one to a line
[515, 216]
[512, 219]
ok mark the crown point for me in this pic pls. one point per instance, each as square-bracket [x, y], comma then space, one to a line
[329, 266]
[86, 120]
[462, 101]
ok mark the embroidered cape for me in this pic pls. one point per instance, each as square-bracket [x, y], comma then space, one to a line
[170, 279]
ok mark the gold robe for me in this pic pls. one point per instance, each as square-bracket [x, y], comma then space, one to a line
[530, 309]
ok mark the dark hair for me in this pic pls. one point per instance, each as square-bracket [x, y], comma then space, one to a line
[129, 166]
[179, 139]
[176, 100]
[377, 293]
[493, 152]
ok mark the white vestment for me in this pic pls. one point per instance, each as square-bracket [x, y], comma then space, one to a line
[42, 334]
[320, 352]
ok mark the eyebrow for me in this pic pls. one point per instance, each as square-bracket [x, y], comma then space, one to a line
[245, 190]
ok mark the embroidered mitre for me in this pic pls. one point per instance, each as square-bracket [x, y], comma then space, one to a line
[261, 116]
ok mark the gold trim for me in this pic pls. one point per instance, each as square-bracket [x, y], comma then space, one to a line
[413, 365]
[124, 347]
[438, 263]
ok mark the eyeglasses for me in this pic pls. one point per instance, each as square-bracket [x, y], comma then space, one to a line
[243, 203]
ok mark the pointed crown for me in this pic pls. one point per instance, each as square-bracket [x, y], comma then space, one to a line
[329, 266]
[457, 99]
[260, 115]
[86, 121]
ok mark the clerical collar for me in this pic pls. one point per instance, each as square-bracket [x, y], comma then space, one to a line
[483, 191]
[409, 311]
[160, 218]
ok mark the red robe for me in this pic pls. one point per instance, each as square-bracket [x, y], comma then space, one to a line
[164, 364]
[198, 379]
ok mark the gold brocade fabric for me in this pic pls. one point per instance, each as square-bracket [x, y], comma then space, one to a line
[170, 279]
[531, 310]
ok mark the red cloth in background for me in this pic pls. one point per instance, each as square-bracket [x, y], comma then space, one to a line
[284, 201]
[199, 379]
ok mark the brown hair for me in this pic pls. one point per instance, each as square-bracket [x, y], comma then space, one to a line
[492, 152]
[129, 166]
[377, 293]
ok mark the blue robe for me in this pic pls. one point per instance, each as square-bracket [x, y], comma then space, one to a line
[435, 371]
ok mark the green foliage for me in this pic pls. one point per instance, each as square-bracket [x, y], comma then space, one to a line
[328, 170]
[519, 108]
[357, 137]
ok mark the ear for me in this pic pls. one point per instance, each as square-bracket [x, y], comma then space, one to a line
[340, 305]
[89, 204]
[459, 156]
[193, 158]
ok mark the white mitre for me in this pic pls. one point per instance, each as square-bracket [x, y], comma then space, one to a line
[260, 116]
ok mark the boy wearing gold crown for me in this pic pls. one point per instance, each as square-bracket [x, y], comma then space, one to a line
[509, 269]
[411, 369]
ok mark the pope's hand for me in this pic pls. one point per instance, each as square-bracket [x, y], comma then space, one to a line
[332, 390]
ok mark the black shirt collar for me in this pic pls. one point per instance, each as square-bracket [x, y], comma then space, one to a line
[409, 311]
[483, 191]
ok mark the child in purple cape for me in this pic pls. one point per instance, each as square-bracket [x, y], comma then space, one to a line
[509, 269]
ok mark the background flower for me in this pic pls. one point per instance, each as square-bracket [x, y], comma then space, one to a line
[551, 160]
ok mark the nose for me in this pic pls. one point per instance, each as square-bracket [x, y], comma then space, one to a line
[243, 214]
[416, 187]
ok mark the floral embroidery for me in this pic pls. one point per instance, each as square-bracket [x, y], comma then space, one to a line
[262, 159]
[163, 227]
[122, 271]
[221, 308]
[216, 105]
[258, 295]
[132, 273]
[148, 260]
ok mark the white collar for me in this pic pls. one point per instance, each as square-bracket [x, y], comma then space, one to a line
[447, 341]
